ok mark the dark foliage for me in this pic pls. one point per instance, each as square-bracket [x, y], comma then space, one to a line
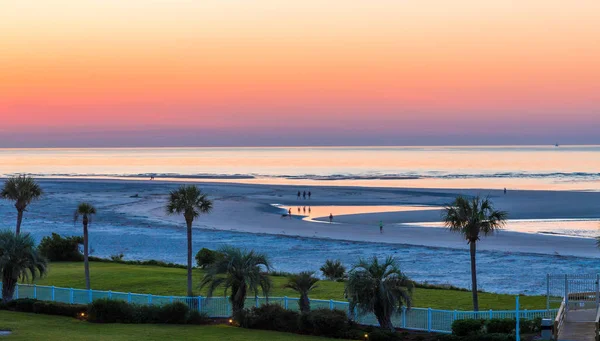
[206, 257]
[467, 327]
[116, 311]
[27, 305]
[269, 317]
[325, 322]
[61, 249]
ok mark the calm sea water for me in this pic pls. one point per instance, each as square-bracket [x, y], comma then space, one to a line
[514, 167]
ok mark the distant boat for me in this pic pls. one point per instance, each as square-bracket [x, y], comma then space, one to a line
[556, 145]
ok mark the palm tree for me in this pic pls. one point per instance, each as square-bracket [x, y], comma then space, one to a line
[191, 202]
[242, 272]
[19, 259]
[473, 218]
[379, 288]
[22, 190]
[333, 270]
[303, 283]
[86, 211]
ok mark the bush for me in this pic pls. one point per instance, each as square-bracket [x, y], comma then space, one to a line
[206, 257]
[57, 248]
[174, 313]
[530, 326]
[112, 311]
[270, 317]
[489, 337]
[333, 270]
[502, 326]
[58, 308]
[197, 317]
[383, 335]
[467, 327]
[325, 322]
[24, 305]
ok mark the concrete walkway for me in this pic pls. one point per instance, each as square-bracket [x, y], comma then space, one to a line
[579, 326]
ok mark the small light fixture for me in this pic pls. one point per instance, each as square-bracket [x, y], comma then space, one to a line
[230, 321]
[366, 336]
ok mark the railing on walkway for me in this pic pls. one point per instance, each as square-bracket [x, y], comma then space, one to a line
[558, 321]
[422, 319]
[597, 323]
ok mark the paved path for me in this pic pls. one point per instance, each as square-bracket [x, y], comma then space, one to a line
[578, 326]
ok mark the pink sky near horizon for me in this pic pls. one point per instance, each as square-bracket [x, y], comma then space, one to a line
[329, 71]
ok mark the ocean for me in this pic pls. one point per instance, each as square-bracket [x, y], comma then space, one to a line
[514, 167]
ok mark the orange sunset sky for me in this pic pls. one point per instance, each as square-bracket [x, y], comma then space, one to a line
[258, 72]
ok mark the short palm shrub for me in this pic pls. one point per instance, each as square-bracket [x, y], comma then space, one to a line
[117, 311]
[174, 313]
[28, 305]
[503, 326]
[61, 249]
[333, 270]
[303, 283]
[111, 311]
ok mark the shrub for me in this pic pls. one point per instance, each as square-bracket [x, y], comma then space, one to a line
[23, 304]
[325, 322]
[530, 326]
[489, 337]
[333, 270]
[117, 257]
[58, 308]
[271, 317]
[206, 257]
[112, 311]
[174, 313]
[57, 248]
[503, 326]
[383, 335]
[467, 327]
[197, 317]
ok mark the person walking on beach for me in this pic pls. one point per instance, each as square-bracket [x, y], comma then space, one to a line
[290, 213]
[330, 218]
[298, 194]
[304, 195]
[504, 190]
[380, 226]
[304, 209]
[309, 194]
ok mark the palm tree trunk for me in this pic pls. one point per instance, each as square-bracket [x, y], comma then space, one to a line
[189, 258]
[86, 263]
[385, 322]
[19, 220]
[238, 298]
[304, 304]
[474, 275]
[8, 288]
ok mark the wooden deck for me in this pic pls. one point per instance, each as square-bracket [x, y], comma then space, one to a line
[579, 326]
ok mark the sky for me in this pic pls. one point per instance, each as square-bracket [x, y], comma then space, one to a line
[116, 73]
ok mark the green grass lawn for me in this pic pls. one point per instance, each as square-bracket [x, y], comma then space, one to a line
[44, 327]
[172, 281]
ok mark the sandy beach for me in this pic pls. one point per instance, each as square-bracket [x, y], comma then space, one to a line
[248, 208]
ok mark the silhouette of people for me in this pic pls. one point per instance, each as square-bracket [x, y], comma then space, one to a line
[304, 209]
[504, 190]
[290, 212]
[298, 209]
[330, 218]
[308, 210]
[298, 194]
[309, 194]
[380, 226]
[304, 195]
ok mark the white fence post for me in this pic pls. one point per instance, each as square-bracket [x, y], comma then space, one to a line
[149, 299]
[256, 301]
[34, 292]
[330, 304]
[403, 316]
[53, 294]
[110, 294]
[71, 295]
[171, 299]
[285, 302]
[129, 297]
[90, 296]
[199, 303]
[17, 291]
[491, 314]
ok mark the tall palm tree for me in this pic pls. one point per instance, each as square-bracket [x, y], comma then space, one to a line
[19, 259]
[242, 272]
[379, 288]
[191, 202]
[303, 283]
[22, 190]
[472, 218]
[86, 211]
